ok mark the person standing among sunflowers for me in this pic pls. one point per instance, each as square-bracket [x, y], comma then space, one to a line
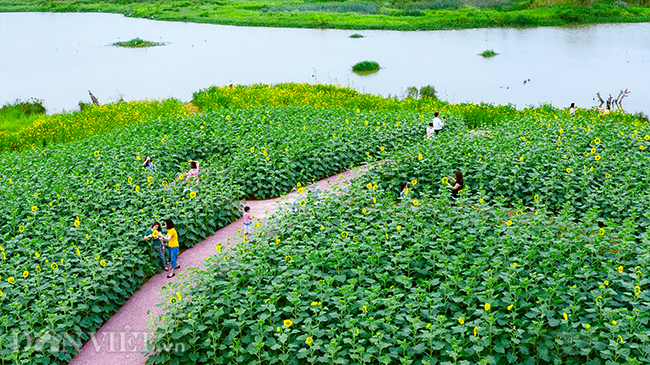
[172, 237]
[158, 245]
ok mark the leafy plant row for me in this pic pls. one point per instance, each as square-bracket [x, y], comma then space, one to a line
[542, 260]
[72, 216]
[578, 164]
[360, 278]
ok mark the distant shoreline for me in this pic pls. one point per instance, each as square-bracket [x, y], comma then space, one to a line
[369, 15]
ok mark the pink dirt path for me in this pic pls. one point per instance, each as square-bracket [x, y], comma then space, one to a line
[122, 338]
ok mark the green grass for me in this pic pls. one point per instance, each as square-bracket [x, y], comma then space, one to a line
[488, 53]
[137, 43]
[393, 14]
[366, 66]
[356, 35]
[20, 114]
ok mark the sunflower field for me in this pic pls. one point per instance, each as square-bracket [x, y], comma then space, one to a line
[542, 259]
[72, 215]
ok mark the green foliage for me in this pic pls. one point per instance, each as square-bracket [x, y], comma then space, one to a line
[488, 53]
[73, 215]
[91, 120]
[137, 43]
[365, 66]
[368, 7]
[353, 14]
[430, 5]
[584, 165]
[428, 92]
[412, 92]
[531, 264]
[84, 105]
[356, 35]
[17, 115]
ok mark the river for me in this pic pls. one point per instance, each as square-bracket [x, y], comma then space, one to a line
[58, 57]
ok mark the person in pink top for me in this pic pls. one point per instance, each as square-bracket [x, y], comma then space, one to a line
[247, 219]
[193, 174]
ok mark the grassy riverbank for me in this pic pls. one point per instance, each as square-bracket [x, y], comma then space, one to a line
[352, 14]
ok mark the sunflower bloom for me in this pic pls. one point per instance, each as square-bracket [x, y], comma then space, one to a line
[309, 340]
[287, 323]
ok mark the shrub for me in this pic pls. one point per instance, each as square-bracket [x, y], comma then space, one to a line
[488, 53]
[28, 107]
[428, 92]
[412, 92]
[137, 43]
[365, 66]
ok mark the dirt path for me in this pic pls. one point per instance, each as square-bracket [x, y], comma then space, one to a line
[121, 339]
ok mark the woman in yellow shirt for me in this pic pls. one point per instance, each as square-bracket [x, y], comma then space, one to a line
[172, 237]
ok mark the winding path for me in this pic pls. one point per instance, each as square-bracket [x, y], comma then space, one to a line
[122, 338]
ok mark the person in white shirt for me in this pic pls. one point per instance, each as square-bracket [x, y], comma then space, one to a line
[429, 131]
[438, 124]
[572, 108]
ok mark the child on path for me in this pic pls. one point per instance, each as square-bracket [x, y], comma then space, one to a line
[172, 237]
[158, 246]
[247, 219]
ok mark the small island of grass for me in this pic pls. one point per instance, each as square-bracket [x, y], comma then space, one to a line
[137, 43]
[356, 35]
[366, 67]
[488, 53]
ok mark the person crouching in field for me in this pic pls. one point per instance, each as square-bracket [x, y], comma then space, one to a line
[158, 245]
[458, 184]
[430, 131]
[172, 237]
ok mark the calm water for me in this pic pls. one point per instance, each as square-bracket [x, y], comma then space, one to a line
[58, 57]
